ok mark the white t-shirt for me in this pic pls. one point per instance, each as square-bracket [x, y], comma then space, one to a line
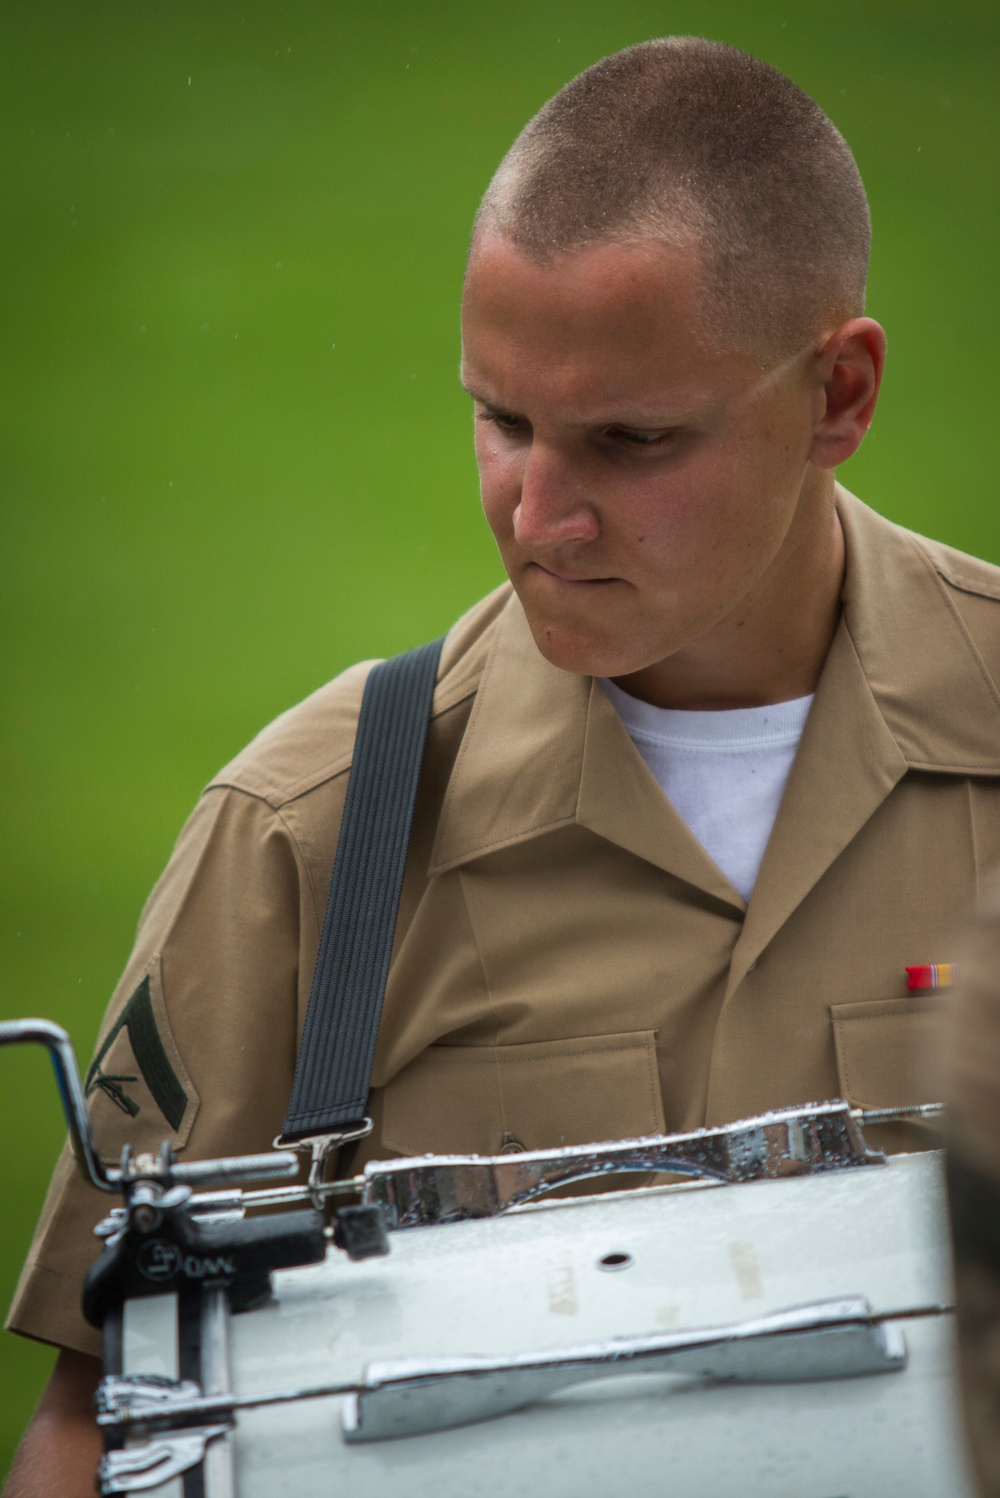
[724, 772]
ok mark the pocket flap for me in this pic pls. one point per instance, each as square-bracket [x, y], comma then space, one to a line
[887, 1049]
[480, 1099]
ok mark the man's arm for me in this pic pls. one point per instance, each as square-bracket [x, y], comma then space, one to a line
[210, 996]
[62, 1445]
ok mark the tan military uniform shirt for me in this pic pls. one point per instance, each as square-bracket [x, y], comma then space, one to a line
[569, 964]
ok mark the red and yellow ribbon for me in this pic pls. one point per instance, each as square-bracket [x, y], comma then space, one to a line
[932, 975]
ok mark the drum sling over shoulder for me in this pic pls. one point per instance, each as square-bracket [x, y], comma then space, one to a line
[334, 1067]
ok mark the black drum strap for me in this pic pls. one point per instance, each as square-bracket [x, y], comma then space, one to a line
[334, 1067]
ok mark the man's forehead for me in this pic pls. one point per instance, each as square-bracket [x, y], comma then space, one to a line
[608, 330]
[600, 288]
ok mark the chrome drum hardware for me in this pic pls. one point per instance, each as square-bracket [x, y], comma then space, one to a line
[291, 1354]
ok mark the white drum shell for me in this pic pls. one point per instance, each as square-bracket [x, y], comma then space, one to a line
[699, 1255]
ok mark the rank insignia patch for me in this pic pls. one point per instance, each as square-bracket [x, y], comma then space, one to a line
[137, 1081]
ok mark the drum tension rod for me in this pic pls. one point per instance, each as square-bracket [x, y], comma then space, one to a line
[903, 1113]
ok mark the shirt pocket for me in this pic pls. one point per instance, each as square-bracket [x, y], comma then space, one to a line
[456, 1099]
[887, 1051]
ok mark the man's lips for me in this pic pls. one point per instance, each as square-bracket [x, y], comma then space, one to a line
[569, 579]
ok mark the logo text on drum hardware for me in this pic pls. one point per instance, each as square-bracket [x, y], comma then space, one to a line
[159, 1260]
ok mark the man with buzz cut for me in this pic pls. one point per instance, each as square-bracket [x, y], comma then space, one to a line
[702, 782]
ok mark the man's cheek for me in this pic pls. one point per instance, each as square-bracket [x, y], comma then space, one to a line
[499, 493]
[492, 508]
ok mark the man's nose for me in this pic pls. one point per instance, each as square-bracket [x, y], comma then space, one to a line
[554, 508]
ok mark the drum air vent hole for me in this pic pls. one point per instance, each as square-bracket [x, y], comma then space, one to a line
[615, 1261]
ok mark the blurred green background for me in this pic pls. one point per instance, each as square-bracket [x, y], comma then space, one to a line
[235, 454]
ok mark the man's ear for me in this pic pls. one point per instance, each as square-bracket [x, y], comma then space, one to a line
[849, 363]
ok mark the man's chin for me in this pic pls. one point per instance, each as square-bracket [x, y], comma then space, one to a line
[581, 653]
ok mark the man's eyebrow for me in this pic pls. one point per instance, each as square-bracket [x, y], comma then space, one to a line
[477, 395]
[649, 419]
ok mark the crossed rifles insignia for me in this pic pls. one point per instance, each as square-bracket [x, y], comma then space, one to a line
[152, 1063]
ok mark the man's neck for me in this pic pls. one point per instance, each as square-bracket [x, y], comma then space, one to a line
[773, 646]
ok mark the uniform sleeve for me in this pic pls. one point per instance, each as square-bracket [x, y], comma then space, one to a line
[198, 1045]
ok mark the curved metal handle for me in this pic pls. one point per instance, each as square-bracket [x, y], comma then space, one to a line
[280, 1165]
[828, 1339]
[68, 1080]
[454, 1188]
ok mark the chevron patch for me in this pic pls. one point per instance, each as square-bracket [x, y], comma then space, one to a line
[137, 1085]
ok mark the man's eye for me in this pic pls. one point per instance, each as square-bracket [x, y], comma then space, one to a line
[503, 419]
[629, 437]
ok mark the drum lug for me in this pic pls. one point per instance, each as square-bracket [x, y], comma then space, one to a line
[139, 1469]
[118, 1392]
[361, 1231]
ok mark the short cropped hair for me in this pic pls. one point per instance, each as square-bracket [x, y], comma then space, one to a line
[688, 140]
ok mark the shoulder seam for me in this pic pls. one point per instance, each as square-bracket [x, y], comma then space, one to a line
[273, 796]
[967, 578]
[275, 816]
[318, 899]
[966, 585]
[962, 628]
[277, 797]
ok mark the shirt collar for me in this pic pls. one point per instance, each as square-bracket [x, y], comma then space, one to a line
[931, 685]
[545, 749]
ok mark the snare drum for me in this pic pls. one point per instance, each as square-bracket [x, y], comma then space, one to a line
[689, 1339]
